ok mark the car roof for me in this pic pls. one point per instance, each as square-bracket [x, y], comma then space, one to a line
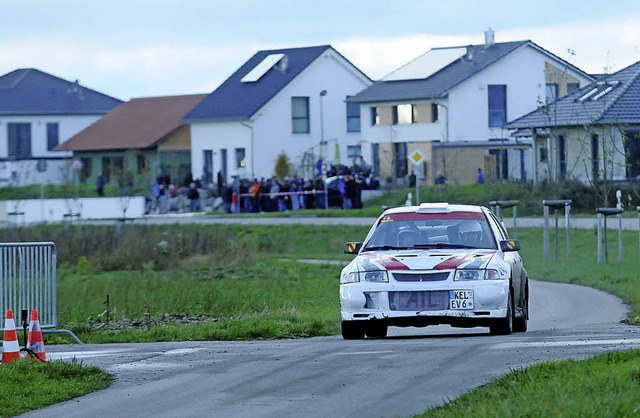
[440, 207]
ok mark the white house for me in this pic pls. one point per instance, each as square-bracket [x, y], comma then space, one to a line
[286, 100]
[451, 104]
[38, 111]
[590, 135]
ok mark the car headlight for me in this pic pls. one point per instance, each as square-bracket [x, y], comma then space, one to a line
[468, 274]
[378, 276]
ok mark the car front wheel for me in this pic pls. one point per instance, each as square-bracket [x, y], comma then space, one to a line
[520, 324]
[352, 330]
[504, 326]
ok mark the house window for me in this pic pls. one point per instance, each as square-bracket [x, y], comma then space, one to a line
[632, 151]
[354, 152]
[300, 115]
[53, 135]
[562, 156]
[571, 87]
[375, 157]
[87, 169]
[207, 169]
[375, 116]
[434, 112]
[404, 114]
[142, 163]
[19, 138]
[595, 158]
[353, 117]
[551, 92]
[497, 105]
[241, 161]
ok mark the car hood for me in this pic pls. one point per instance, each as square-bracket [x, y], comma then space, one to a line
[446, 259]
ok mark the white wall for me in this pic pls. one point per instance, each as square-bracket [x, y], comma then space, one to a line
[272, 124]
[53, 210]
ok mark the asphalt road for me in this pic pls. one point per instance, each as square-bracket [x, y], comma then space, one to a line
[412, 370]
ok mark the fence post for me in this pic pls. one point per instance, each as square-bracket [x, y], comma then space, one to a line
[603, 213]
[557, 204]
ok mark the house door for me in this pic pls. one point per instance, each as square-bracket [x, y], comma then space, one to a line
[402, 163]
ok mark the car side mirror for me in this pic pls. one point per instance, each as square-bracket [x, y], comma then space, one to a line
[510, 245]
[352, 247]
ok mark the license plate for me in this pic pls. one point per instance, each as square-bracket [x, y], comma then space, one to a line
[461, 299]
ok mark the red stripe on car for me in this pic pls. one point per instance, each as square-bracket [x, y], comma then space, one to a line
[454, 262]
[389, 263]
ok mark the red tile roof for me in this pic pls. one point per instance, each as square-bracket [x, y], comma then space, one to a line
[138, 123]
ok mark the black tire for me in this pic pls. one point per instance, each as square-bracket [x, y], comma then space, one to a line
[520, 324]
[352, 330]
[376, 330]
[504, 326]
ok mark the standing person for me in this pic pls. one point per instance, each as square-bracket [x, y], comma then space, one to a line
[480, 178]
[227, 195]
[193, 195]
[255, 195]
[342, 188]
[100, 185]
[350, 192]
[274, 190]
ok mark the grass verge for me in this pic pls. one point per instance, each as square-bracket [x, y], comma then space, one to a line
[26, 385]
[604, 386]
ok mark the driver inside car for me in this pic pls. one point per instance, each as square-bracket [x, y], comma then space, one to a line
[470, 233]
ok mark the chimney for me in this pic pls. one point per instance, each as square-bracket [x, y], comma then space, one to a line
[489, 38]
[469, 55]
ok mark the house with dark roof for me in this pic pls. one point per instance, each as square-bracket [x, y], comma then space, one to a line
[290, 101]
[137, 139]
[591, 134]
[445, 111]
[39, 111]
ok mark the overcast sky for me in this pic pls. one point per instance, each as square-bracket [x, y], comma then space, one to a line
[141, 48]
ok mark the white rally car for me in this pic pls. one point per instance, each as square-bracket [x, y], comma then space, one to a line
[434, 264]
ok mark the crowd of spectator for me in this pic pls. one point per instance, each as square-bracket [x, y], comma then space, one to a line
[338, 188]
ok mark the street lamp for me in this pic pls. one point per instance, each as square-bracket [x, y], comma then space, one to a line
[322, 94]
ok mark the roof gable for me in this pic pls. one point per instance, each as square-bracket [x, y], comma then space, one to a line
[613, 98]
[238, 100]
[139, 123]
[437, 84]
[33, 92]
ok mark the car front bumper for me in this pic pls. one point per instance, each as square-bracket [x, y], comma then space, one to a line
[379, 301]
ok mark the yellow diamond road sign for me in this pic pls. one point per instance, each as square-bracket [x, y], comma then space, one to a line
[416, 157]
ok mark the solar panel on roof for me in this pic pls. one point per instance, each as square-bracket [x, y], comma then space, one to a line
[426, 64]
[260, 69]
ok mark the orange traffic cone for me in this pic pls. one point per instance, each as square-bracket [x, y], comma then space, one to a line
[35, 342]
[10, 347]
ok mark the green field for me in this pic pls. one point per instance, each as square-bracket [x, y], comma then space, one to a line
[219, 282]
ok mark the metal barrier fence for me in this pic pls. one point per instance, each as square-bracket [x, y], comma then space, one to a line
[28, 281]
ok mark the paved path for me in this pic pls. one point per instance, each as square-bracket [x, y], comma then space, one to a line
[630, 224]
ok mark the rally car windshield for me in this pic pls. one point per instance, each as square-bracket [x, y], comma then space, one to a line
[467, 230]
